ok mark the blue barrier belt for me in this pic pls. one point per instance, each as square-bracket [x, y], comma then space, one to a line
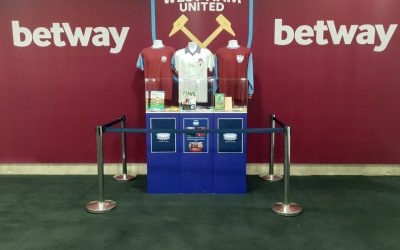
[182, 131]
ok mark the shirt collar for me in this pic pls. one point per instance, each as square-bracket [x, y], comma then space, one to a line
[198, 50]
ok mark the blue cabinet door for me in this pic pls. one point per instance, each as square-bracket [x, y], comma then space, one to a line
[163, 156]
[229, 175]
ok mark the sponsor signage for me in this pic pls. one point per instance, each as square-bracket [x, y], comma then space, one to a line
[183, 23]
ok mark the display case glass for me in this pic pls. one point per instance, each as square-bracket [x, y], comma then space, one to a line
[191, 95]
[161, 95]
[231, 95]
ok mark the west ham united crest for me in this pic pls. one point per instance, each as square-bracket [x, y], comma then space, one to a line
[239, 58]
[208, 23]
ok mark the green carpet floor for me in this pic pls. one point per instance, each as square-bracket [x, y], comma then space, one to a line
[47, 212]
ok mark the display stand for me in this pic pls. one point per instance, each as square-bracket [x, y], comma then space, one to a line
[197, 162]
[196, 153]
[230, 154]
[163, 154]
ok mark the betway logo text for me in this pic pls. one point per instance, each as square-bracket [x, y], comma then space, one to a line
[202, 5]
[61, 35]
[361, 34]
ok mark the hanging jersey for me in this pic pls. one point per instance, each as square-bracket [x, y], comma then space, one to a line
[192, 68]
[234, 71]
[156, 64]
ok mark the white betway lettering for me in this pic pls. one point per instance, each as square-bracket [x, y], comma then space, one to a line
[43, 37]
[363, 34]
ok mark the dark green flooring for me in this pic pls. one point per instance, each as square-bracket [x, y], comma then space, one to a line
[47, 212]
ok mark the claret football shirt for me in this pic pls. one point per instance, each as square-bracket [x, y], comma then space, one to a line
[192, 68]
[156, 64]
[232, 66]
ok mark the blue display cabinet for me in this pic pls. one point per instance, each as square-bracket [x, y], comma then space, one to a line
[163, 154]
[229, 159]
[197, 154]
[196, 163]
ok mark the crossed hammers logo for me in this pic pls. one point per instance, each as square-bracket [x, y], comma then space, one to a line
[224, 24]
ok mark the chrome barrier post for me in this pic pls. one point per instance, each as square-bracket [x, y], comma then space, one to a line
[271, 177]
[100, 206]
[285, 208]
[124, 176]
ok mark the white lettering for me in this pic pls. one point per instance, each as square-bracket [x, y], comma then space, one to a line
[43, 37]
[202, 5]
[279, 29]
[17, 31]
[39, 34]
[337, 36]
[102, 37]
[73, 38]
[384, 37]
[367, 34]
[118, 39]
[57, 30]
[220, 7]
[304, 34]
[320, 28]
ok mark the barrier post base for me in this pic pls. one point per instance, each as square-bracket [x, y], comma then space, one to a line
[96, 207]
[291, 209]
[272, 178]
[124, 177]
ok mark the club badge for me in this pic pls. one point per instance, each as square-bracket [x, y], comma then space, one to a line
[164, 59]
[239, 58]
[200, 62]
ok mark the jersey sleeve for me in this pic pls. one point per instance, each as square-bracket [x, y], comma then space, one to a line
[140, 63]
[215, 85]
[174, 62]
[250, 75]
[216, 67]
[210, 63]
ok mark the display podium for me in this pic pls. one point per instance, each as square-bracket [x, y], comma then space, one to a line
[196, 162]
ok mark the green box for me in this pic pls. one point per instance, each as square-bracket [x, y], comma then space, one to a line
[219, 101]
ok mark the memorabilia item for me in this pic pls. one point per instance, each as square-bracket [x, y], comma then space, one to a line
[156, 63]
[235, 70]
[228, 104]
[157, 100]
[220, 101]
[192, 64]
[189, 100]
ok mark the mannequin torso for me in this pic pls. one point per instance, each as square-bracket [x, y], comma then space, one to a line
[192, 47]
[157, 44]
[233, 44]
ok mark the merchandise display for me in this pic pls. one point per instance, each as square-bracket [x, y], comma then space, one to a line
[156, 63]
[192, 65]
[193, 89]
[234, 71]
[197, 98]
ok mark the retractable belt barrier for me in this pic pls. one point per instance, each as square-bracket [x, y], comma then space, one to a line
[271, 177]
[284, 208]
